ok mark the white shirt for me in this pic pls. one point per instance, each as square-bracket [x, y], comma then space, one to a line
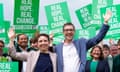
[71, 58]
[24, 66]
[24, 62]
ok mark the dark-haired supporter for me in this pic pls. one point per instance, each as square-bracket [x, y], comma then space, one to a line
[97, 63]
[37, 61]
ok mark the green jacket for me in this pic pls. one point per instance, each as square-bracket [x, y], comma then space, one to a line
[116, 63]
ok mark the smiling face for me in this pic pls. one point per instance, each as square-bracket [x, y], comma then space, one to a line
[106, 52]
[114, 50]
[96, 53]
[68, 31]
[23, 41]
[43, 43]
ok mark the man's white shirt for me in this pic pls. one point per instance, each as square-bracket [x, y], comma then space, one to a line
[71, 58]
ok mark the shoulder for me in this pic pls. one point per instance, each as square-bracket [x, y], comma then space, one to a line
[33, 53]
[80, 40]
[117, 56]
[53, 56]
[103, 62]
[59, 45]
[52, 53]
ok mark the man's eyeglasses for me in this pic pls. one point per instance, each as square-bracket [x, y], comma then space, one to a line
[68, 29]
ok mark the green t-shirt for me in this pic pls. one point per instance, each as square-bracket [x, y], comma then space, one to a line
[3, 59]
[93, 66]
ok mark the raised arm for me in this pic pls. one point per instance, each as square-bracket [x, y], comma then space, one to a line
[95, 40]
[12, 51]
[107, 17]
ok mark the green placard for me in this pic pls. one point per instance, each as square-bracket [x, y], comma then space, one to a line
[58, 39]
[2, 32]
[8, 66]
[43, 29]
[84, 16]
[26, 14]
[25, 28]
[86, 33]
[114, 22]
[116, 36]
[7, 26]
[89, 55]
[1, 13]
[96, 5]
[57, 14]
[113, 33]
[5, 50]
[4, 27]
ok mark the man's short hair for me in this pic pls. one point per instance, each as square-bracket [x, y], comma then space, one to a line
[106, 46]
[69, 23]
[18, 36]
